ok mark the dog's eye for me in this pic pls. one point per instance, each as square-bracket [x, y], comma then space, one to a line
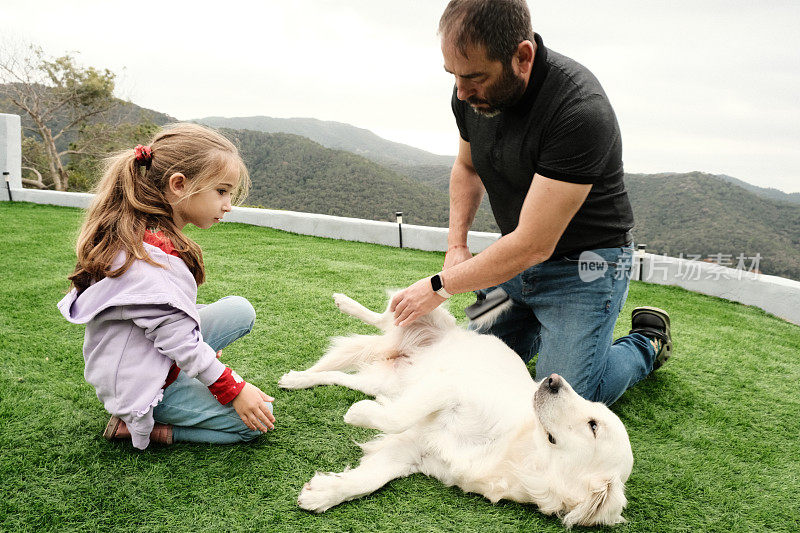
[550, 438]
[593, 425]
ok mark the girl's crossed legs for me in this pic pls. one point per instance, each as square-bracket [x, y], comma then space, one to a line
[194, 413]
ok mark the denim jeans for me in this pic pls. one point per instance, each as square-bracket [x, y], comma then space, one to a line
[565, 311]
[194, 413]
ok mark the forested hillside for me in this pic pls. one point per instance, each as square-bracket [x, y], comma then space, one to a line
[699, 213]
[123, 113]
[336, 135]
[695, 213]
[294, 173]
[765, 192]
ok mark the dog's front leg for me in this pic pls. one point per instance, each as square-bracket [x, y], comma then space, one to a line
[365, 382]
[392, 459]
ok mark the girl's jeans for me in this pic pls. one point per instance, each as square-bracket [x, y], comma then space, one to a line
[565, 311]
[194, 413]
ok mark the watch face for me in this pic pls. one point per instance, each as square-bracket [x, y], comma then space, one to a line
[436, 283]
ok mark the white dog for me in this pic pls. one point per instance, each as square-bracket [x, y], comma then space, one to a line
[462, 407]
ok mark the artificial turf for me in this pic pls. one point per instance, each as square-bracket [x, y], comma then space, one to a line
[715, 432]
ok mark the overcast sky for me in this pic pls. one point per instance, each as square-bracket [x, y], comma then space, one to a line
[697, 85]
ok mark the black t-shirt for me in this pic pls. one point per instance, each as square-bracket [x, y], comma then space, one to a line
[563, 128]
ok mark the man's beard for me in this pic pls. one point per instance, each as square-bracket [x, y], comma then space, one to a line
[503, 94]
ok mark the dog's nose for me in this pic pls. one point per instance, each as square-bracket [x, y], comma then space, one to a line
[554, 383]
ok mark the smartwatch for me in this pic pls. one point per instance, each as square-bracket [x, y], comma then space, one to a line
[438, 286]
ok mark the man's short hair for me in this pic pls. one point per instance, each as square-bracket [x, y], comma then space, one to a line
[497, 25]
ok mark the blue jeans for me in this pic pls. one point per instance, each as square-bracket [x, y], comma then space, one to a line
[194, 413]
[565, 311]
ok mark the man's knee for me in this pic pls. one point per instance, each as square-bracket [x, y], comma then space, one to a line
[587, 389]
[582, 380]
[248, 434]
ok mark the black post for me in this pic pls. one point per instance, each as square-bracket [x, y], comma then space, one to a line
[640, 259]
[7, 176]
[399, 217]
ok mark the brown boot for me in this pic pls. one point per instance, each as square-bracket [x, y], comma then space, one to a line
[117, 430]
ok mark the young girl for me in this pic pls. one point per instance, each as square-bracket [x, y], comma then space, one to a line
[150, 350]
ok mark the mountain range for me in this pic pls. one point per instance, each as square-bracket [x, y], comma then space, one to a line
[695, 214]
[310, 165]
[706, 215]
[336, 135]
[292, 172]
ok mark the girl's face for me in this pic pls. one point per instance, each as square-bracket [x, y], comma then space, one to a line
[207, 207]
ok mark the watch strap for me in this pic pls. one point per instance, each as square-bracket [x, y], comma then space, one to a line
[437, 284]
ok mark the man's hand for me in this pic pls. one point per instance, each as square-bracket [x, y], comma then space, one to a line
[413, 302]
[455, 255]
[252, 408]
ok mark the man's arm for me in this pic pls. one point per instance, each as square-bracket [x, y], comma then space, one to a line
[548, 208]
[466, 193]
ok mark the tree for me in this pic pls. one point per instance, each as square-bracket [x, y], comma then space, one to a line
[62, 99]
[95, 141]
[34, 157]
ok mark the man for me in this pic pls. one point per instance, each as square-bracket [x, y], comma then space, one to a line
[539, 135]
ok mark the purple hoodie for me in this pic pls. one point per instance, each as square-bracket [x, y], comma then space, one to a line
[137, 325]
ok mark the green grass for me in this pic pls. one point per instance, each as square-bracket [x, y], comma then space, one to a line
[715, 433]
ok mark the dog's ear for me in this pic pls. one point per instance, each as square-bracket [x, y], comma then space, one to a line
[602, 506]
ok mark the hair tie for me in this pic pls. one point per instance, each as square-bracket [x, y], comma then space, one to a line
[144, 155]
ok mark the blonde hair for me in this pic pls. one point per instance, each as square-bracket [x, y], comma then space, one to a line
[130, 198]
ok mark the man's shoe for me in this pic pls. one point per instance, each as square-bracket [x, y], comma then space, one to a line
[653, 323]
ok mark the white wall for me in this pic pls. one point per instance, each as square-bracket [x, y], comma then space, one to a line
[10, 153]
[356, 229]
[775, 295]
[349, 229]
[779, 296]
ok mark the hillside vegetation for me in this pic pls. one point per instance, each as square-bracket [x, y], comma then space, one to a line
[765, 192]
[123, 113]
[336, 135]
[698, 213]
[369, 177]
[294, 173]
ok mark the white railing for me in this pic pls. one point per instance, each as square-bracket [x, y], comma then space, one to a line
[779, 296]
[344, 228]
[775, 295]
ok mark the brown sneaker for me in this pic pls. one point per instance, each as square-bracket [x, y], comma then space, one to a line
[117, 430]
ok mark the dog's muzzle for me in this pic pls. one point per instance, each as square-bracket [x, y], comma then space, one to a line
[554, 383]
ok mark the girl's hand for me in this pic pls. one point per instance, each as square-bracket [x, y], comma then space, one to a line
[251, 405]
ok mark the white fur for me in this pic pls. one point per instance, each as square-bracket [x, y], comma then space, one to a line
[462, 407]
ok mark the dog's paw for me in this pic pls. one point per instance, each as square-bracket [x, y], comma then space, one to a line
[363, 414]
[295, 379]
[321, 493]
[346, 304]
